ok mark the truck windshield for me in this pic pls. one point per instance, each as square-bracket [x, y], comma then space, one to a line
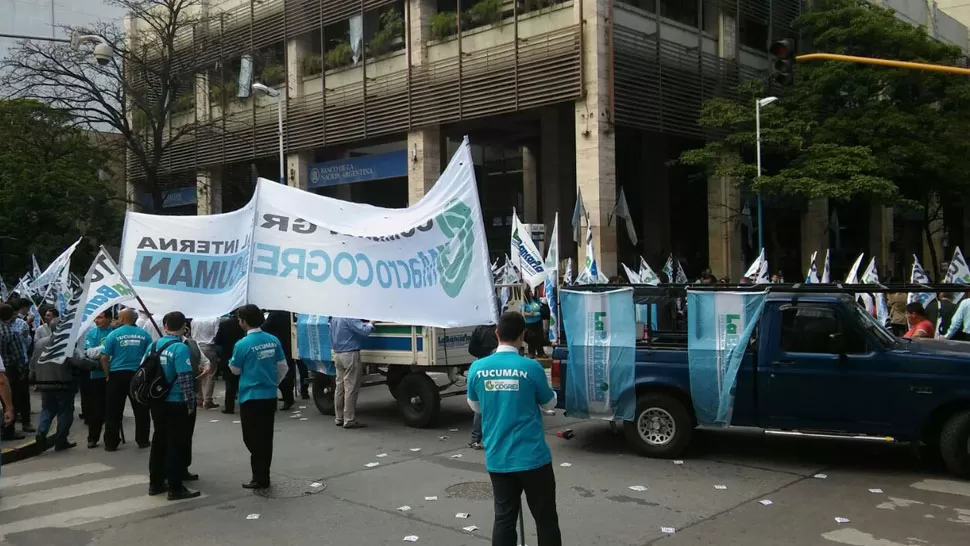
[874, 327]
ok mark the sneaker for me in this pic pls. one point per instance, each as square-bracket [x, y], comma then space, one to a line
[144, 445]
[183, 494]
[64, 446]
[475, 445]
[210, 405]
[92, 444]
[190, 477]
[111, 448]
[338, 422]
[354, 424]
[255, 485]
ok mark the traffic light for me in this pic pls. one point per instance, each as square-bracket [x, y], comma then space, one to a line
[783, 61]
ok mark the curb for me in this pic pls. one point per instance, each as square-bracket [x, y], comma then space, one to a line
[23, 451]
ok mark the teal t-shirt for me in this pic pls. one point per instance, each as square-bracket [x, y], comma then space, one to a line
[256, 355]
[95, 338]
[126, 347]
[509, 390]
[532, 312]
[175, 359]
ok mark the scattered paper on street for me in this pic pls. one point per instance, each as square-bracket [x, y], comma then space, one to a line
[302, 407]
[452, 430]
[638, 488]
[565, 465]
[411, 538]
[415, 449]
[470, 528]
[252, 516]
[720, 487]
[462, 515]
[456, 456]
[371, 465]
[236, 422]
[841, 520]
[316, 484]
[821, 476]
[875, 490]
[766, 502]
[380, 455]
[304, 418]
[442, 437]
[668, 530]
[434, 498]
[404, 508]
[678, 461]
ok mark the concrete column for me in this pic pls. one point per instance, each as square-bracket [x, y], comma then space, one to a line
[419, 30]
[208, 191]
[424, 155]
[298, 169]
[655, 227]
[530, 186]
[550, 184]
[595, 137]
[815, 234]
[724, 238]
[296, 51]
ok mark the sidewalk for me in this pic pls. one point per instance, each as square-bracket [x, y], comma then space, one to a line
[18, 450]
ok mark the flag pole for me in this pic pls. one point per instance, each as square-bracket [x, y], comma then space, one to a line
[130, 287]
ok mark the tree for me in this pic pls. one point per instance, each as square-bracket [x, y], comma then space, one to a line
[150, 78]
[51, 188]
[845, 130]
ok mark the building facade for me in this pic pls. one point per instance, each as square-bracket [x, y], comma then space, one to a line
[559, 98]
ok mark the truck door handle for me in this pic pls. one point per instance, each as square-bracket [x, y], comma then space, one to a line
[782, 363]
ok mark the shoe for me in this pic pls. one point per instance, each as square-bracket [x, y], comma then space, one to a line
[338, 422]
[155, 490]
[286, 406]
[304, 396]
[354, 424]
[13, 436]
[143, 445]
[27, 428]
[183, 494]
[475, 445]
[111, 448]
[210, 405]
[229, 411]
[41, 442]
[255, 485]
[92, 445]
[64, 446]
[190, 477]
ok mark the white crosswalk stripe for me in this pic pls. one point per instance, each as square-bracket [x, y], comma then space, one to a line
[72, 496]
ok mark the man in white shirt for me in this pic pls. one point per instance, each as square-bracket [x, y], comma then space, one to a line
[204, 332]
[145, 321]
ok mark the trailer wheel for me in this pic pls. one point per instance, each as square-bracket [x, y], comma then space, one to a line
[955, 444]
[418, 397]
[323, 387]
[662, 427]
[394, 376]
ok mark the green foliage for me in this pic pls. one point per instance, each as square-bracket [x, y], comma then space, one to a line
[443, 25]
[221, 94]
[484, 12]
[846, 130]
[50, 189]
[533, 5]
[273, 74]
[340, 55]
[185, 103]
[312, 64]
[391, 30]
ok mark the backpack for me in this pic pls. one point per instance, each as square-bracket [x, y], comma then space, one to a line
[149, 383]
[483, 341]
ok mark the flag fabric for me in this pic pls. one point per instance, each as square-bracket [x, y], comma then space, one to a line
[853, 276]
[633, 277]
[105, 287]
[590, 273]
[759, 269]
[3, 290]
[567, 273]
[601, 335]
[552, 281]
[720, 324]
[647, 274]
[36, 271]
[812, 276]
[313, 343]
[679, 276]
[41, 283]
[622, 210]
[668, 269]
[748, 223]
[957, 273]
[919, 276]
[526, 254]
[826, 271]
[579, 212]
[881, 311]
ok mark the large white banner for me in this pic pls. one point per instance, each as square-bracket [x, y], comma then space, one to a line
[300, 252]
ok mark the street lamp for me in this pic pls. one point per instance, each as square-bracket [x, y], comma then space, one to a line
[758, 104]
[279, 110]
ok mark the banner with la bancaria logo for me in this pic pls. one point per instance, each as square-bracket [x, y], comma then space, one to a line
[305, 253]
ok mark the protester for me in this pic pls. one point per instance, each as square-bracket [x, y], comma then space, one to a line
[24, 325]
[960, 323]
[508, 390]
[96, 388]
[279, 324]
[347, 339]
[227, 335]
[58, 385]
[15, 359]
[897, 312]
[201, 370]
[483, 343]
[532, 312]
[940, 312]
[121, 354]
[204, 333]
[259, 362]
[51, 318]
[172, 417]
[919, 325]
[146, 323]
[6, 398]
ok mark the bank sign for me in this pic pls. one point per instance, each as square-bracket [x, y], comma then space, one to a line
[359, 169]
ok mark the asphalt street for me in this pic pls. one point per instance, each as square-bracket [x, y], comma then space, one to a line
[330, 491]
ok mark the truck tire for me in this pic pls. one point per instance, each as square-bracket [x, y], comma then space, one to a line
[418, 397]
[955, 444]
[323, 386]
[662, 428]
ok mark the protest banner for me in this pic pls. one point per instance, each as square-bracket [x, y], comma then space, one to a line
[304, 253]
[107, 287]
[65, 334]
[41, 283]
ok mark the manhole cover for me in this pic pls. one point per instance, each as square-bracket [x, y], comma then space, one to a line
[471, 491]
[288, 488]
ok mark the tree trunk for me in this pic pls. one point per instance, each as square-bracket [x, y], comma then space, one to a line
[928, 233]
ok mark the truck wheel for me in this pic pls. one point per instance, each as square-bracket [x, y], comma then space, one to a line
[394, 377]
[955, 444]
[662, 428]
[323, 386]
[417, 394]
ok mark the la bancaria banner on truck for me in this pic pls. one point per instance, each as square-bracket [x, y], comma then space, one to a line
[305, 253]
[719, 326]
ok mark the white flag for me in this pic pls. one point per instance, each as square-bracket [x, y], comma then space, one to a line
[812, 276]
[54, 271]
[622, 210]
[552, 281]
[759, 269]
[525, 254]
[826, 272]
[919, 276]
[590, 273]
[647, 274]
[633, 277]
[871, 276]
[579, 212]
[853, 277]
[107, 286]
[957, 273]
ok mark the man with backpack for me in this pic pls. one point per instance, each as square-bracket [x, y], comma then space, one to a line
[121, 354]
[166, 382]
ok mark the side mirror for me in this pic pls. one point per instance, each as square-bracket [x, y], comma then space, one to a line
[837, 343]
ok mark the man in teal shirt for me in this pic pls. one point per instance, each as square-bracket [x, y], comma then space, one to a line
[508, 389]
[121, 354]
[94, 390]
[172, 418]
[259, 362]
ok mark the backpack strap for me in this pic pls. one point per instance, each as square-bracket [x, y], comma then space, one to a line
[156, 351]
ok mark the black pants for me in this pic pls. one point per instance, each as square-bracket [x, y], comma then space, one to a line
[232, 388]
[257, 418]
[540, 492]
[170, 443]
[82, 382]
[20, 392]
[188, 452]
[289, 382]
[97, 394]
[304, 378]
[117, 393]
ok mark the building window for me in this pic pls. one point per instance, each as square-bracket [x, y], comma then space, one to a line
[753, 33]
[645, 5]
[682, 11]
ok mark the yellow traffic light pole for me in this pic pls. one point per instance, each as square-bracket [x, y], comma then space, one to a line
[884, 62]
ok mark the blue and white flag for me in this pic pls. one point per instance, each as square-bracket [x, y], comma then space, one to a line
[601, 334]
[552, 281]
[871, 276]
[719, 327]
[313, 343]
[591, 273]
[3, 290]
[647, 274]
[41, 283]
[567, 273]
[826, 270]
[758, 272]
[812, 276]
[853, 276]
[668, 269]
[36, 272]
[526, 254]
[957, 273]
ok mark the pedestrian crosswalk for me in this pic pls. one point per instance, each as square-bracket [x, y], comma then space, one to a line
[69, 497]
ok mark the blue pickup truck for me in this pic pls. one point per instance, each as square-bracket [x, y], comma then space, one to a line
[817, 363]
